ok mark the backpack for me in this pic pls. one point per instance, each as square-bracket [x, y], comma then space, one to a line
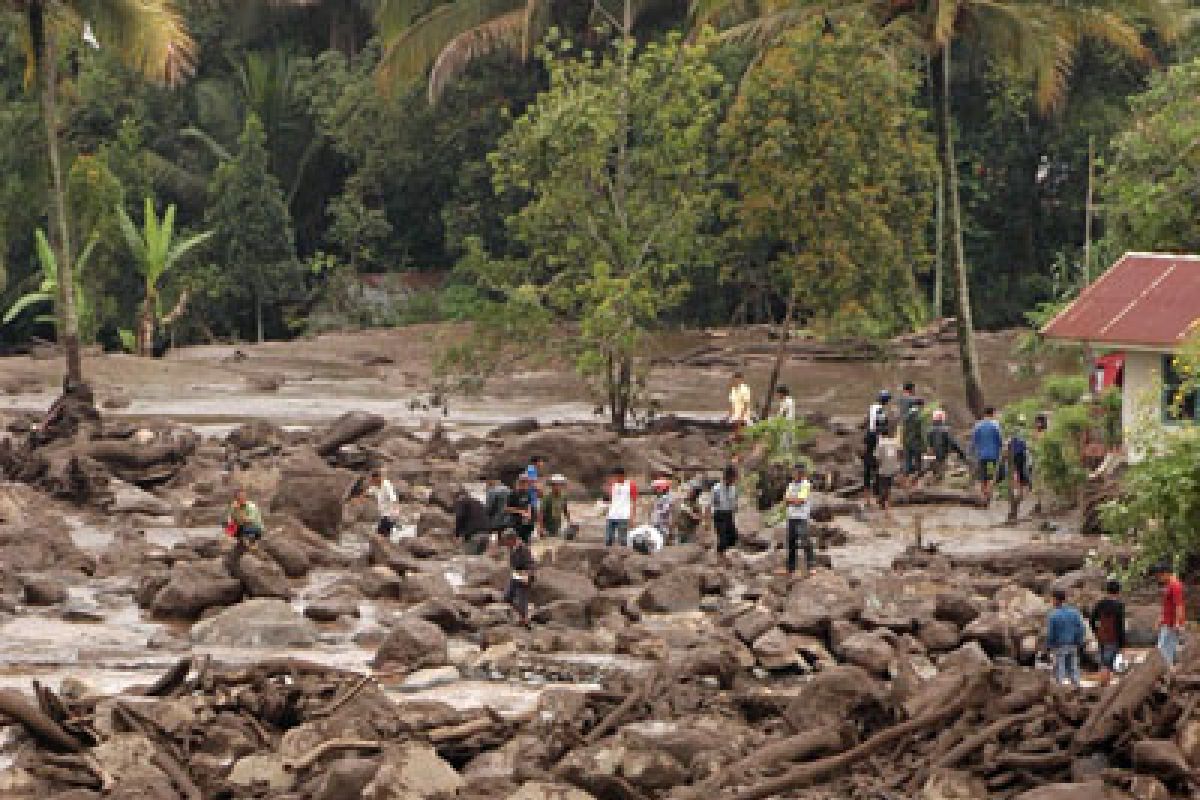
[1018, 447]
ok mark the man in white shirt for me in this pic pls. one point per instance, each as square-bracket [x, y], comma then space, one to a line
[787, 404]
[622, 507]
[739, 401]
[799, 511]
[385, 498]
[877, 425]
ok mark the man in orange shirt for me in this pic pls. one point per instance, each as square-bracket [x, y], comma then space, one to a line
[1170, 626]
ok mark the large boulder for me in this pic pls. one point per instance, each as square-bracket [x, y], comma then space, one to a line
[41, 590]
[345, 779]
[412, 771]
[586, 455]
[194, 586]
[260, 577]
[552, 584]
[869, 651]
[816, 603]
[314, 494]
[346, 429]
[260, 622]
[414, 643]
[256, 434]
[675, 591]
[835, 695]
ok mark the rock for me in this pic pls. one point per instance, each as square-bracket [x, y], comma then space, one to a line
[428, 678]
[869, 651]
[835, 695]
[518, 427]
[938, 636]
[776, 650]
[413, 644]
[1189, 741]
[412, 771]
[418, 587]
[675, 591]
[956, 607]
[193, 587]
[948, 784]
[265, 381]
[288, 553]
[994, 632]
[1092, 790]
[261, 577]
[1145, 787]
[345, 779]
[652, 769]
[753, 624]
[315, 496]
[256, 434]
[555, 584]
[1160, 757]
[117, 400]
[331, 607]
[817, 602]
[449, 613]
[125, 498]
[346, 429]
[44, 591]
[120, 753]
[585, 454]
[536, 790]
[261, 769]
[260, 622]
[1019, 601]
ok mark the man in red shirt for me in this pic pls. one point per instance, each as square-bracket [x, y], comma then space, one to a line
[1170, 626]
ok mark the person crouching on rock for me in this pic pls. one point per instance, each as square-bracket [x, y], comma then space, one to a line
[244, 521]
[521, 564]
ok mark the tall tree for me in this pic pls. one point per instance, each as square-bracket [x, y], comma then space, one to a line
[150, 37]
[1037, 38]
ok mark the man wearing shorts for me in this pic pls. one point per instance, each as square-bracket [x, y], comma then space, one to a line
[987, 442]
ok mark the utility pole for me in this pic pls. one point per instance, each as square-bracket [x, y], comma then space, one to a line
[1087, 212]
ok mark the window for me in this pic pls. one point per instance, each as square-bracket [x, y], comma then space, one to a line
[1178, 405]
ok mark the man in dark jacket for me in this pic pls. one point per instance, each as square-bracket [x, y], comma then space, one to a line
[942, 443]
[1108, 623]
[521, 565]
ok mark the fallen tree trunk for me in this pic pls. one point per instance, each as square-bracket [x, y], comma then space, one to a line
[349, 427]
[794, 748]
[14, 706]
[1119, 703]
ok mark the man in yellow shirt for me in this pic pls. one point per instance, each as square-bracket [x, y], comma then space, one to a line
[739, 401]
[799, 511]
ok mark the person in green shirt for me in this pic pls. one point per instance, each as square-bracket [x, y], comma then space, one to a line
[244, 522]
[915, 434]
[554, 511]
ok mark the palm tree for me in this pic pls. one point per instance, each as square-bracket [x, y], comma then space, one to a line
[155, 250]
[447, 38]
[150, 36]
[1038, 37]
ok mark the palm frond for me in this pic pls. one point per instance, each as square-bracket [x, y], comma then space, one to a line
[765, 30]
[218, 150]
[504, 33]
[410, 50]
[133, 238]
[24, 302]
[149, 35]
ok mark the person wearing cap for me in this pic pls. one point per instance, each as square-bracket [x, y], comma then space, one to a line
[942, 443]
[799, 510]
[877, 425]
[533, 471]
[1170, 624]
[554, 511]
[520, 509]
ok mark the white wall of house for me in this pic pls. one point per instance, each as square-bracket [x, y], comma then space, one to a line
[1142, 395]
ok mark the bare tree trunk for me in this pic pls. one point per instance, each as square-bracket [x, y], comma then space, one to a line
[780, 352]
[966, 329]
[939, 249]
[46, 54]
[258, 317]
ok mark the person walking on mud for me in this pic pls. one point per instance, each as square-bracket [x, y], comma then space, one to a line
[942, 443]
[987, 443]
[877, 425]
[1171, 622]
[889, 460]
[799, 511]
[914, 436]
[740, 400]
[521, 574]
[1065, 635]
[724, 510]
[244, 522]
[622, 508]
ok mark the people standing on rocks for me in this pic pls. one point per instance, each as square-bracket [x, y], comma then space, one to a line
[889, 463]
[554, 509]
[662, 511]
[1065, 636]
[914, 437]
[386, 500]
[1171, 622]
[520, 509]
[942, 443]
[724, 509]
[521, 574]
[877, 425]
[244, 522]
[799, 511]
[622, 508]
[987, 442]
[1108, 623]
[740, 400]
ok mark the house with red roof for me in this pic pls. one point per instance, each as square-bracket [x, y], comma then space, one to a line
[1137, 315]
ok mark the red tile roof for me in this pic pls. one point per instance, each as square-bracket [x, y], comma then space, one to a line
[1150, 299]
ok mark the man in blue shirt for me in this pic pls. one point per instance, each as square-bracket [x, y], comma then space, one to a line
[1065, 635]
[987, 442]
[533, 472]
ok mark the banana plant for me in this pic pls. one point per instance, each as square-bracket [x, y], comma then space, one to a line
[155, 253]
[47, 292]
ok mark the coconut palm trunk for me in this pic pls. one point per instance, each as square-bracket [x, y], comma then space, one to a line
[46, 55]
[966, 330]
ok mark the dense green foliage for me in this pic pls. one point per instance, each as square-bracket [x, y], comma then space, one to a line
[834, 172]
[346, 174]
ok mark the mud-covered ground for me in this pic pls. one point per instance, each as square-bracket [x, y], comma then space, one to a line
[328, 663]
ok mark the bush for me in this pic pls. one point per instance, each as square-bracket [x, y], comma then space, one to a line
[783, 438]
[1061, 390]
[1159, 507]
